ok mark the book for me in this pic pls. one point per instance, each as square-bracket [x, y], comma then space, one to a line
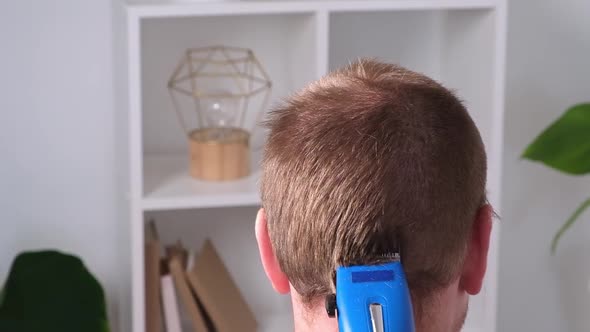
[186, 296]
[220, 296]
[153, 313]
[177, 250]
[170, 305]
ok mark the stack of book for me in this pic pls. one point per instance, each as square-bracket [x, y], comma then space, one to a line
[196, 287]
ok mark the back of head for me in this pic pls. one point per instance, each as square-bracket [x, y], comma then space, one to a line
[368, 155]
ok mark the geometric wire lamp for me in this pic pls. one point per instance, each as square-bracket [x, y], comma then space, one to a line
[219, 94]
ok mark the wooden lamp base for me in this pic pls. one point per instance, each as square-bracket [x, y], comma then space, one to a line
[219, 154]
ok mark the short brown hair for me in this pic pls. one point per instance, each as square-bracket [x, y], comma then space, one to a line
[368, 154]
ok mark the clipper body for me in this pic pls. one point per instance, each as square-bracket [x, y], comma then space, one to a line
[373, 298]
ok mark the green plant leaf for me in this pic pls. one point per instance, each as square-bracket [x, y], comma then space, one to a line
[565, 144]
[48, 291]
[571, 220]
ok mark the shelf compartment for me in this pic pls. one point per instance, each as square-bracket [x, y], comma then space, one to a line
[284, 44]
[455, 47]
[231, 231]
[410, 38]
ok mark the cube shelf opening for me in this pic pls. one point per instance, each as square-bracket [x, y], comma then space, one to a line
[231, 231]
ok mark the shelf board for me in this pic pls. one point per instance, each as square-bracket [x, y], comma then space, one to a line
[157, 9]
[398, 5]
[168, 186]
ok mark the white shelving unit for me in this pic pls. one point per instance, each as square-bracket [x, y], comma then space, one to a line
[458, 42]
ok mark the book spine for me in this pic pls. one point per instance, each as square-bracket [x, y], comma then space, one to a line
[152, 288]
[170, 305]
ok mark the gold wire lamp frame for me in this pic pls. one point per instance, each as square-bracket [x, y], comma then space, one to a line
[224, 85]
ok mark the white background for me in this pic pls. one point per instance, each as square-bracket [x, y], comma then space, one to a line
[57, 182]
[57, 170]
[548, 69]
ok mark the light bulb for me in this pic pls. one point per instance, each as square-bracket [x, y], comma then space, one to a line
[220, 111]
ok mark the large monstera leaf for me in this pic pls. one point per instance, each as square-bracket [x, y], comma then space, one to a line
[48, 291]
[565, 146]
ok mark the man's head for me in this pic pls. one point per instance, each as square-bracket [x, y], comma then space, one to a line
[368, 155]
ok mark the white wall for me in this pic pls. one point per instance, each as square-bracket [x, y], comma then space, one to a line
[56, 133]
[548, 69]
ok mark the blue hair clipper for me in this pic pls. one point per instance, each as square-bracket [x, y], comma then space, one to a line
[372, 298]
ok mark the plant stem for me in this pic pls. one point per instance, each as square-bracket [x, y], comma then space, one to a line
[569, 223]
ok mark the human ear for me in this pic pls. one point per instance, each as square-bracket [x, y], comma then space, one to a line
[476, 261]
[277, 278]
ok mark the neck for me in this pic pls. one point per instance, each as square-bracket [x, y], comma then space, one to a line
[446, 312]
[311, 319]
